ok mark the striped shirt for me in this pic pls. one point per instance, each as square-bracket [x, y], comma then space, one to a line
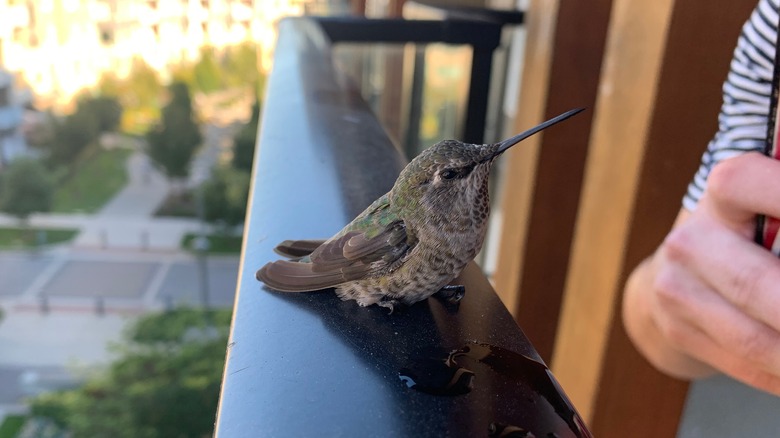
[742, 123]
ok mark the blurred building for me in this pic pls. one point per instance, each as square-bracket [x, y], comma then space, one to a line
[63, 46]
[12, 143]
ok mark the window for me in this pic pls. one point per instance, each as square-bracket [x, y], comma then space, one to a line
[106, 35]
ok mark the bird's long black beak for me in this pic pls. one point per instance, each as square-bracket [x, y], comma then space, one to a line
[508, 143]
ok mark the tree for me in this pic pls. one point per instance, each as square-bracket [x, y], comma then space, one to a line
[173, 142]
[67, 138]
[43, 133]
[165, 382]
[241, 66]
[25, 188]
[207, 71]
[71, 136]
[139, 95]
[236, 67]
[224, 196]
[143, 85]
[106, 110]
[184, 71]
[244, 143]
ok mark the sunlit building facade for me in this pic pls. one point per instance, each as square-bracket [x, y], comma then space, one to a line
[60, 47]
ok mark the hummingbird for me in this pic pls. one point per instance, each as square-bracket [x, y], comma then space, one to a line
[411, 242]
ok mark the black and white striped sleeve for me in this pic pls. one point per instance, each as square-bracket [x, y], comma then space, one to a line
[742, 122]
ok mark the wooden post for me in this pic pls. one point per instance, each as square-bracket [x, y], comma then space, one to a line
[358, 7]
[390, 111]
[656, 110]
[543, 176]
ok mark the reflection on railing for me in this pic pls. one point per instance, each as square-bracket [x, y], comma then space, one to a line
[312, 365]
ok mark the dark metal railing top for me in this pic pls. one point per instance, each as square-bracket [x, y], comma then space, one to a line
[312, 365]
[479, 34]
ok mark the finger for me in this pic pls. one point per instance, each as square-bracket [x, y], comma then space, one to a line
[743, 273]
[741, 187]
[701, 347]
[687, 301]
[639, 320]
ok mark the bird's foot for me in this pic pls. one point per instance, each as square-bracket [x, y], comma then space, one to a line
[389, 303]
[451, 293]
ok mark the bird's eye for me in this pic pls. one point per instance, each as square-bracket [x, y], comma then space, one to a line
[448, 174]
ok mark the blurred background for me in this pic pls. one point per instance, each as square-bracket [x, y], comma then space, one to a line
[127, 135]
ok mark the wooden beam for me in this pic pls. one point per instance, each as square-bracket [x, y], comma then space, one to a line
[656, 111]
[520, 167]
[358, 7]
[562, 70]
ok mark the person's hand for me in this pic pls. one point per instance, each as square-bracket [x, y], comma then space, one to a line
[709, 298]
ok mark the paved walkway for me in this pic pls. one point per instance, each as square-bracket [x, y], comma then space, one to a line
[58, 339]
[64, 306]
[117, 233]
[127, 222]
[146, 189]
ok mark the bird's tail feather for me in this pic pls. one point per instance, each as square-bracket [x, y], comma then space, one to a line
[290, 276]
[297, 248]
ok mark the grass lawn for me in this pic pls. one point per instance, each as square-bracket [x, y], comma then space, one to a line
[218, 243]
[11, 426]
[14, 237]
[99, 176]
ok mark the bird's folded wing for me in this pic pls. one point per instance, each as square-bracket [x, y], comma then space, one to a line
[355, 249]
[289, 276]
[294, 249]
[351, 256]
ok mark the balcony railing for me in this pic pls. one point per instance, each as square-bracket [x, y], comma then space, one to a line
[312, 365]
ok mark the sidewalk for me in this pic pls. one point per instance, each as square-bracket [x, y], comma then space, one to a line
[58, 339]
[127, 221]
[146, 189]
